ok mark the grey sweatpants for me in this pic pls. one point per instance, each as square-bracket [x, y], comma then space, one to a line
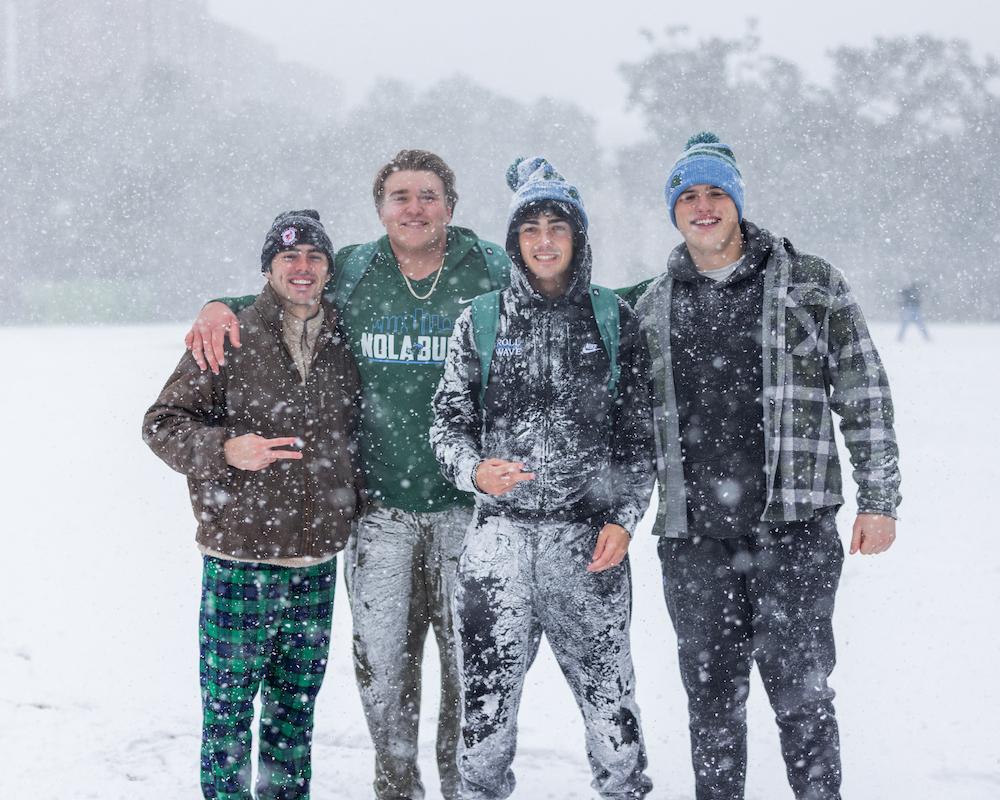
[400, 579]
[515, 582]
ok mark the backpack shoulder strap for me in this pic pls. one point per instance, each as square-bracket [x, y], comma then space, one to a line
[485, 321]
[349, 275]
[608, 316]
[497, 263]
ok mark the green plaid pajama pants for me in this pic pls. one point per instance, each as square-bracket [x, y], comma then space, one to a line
[261, 627]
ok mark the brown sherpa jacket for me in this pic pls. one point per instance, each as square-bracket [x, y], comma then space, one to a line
[293, 508]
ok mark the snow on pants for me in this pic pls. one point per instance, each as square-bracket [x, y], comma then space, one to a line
[261, 627]
[400, 580]
[517, 580]
[766, 598]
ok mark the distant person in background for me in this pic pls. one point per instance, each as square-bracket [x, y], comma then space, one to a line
[753, 344]
[911, 313]
[399, 297]
[268, 447]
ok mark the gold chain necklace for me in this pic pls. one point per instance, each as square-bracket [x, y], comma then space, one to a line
[430, 291]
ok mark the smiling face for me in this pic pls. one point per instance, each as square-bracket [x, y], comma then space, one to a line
[546, 243]
[710, 224]
[297, 277]
[414, 210]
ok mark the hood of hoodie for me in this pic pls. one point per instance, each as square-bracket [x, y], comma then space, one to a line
[457, 246]
[580, 267]
[757, 248]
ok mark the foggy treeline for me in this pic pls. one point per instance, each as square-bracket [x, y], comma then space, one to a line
[137, 192]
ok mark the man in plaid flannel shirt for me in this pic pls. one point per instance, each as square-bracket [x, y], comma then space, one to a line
[753, 344]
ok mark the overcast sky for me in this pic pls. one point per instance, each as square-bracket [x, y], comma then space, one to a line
[558, 49]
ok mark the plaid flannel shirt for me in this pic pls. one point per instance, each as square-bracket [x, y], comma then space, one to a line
[818, 357]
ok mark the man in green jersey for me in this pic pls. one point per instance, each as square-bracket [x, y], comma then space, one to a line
[398, 298]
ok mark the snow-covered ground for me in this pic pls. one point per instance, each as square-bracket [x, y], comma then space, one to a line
[98, 606]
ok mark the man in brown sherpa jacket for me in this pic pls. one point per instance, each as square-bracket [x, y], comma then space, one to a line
[268, 448]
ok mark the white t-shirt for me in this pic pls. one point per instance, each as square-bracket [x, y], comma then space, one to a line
[720, 274]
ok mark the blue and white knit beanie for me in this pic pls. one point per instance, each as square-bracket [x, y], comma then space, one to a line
[705, 160]
[293, 228]
[534, 181]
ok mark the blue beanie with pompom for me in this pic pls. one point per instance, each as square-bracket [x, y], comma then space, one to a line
[535, 180]
[705, 160]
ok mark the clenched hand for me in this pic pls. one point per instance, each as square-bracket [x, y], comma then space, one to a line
[612, 545]
[873, 533]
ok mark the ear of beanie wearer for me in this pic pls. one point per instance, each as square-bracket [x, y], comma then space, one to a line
[534, 180]
[292, 228]
[705, 160]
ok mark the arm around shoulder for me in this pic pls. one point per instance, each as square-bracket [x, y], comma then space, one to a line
[631, 294]
[216, 320]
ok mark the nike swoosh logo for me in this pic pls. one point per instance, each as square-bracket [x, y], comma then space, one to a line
[464, 300]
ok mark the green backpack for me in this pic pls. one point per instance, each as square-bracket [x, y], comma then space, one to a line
[486, 320]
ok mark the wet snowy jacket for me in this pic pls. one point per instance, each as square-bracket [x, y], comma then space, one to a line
[818, 357]
[293, 508]
[547, 404]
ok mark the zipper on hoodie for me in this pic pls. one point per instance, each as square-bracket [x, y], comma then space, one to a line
[547, 401]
